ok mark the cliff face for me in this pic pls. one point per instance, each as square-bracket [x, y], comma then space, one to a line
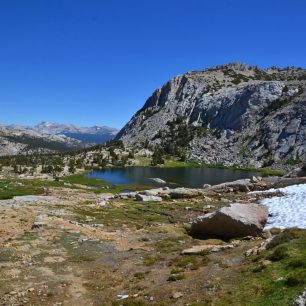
[232, 115]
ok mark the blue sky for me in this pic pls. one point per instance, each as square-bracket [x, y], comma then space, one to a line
[96, 62]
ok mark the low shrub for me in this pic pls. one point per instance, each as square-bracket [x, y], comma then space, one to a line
[279, 253]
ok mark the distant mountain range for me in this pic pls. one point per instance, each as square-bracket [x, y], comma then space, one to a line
[47, 137]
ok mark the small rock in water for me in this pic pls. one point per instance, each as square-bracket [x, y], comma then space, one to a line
[158, 180]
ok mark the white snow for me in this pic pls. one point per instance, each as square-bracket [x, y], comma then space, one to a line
[288, 210]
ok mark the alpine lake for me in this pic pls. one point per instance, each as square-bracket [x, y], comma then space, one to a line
[191, 177]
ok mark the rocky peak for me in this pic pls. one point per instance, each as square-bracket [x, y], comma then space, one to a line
[233, 114]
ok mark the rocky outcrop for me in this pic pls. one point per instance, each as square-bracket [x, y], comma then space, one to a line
[243, 185]
[301, 172]
[300, 300]
[236, 220]
[147, 198]
[231, 115]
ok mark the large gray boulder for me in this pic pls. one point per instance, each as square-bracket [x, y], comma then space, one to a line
[243, 185]
[235, 220]
[148, 198]
[184, 193]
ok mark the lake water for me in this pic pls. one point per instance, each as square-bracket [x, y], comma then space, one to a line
[187, 177]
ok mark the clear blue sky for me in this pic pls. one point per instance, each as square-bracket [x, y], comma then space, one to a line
[95, 62]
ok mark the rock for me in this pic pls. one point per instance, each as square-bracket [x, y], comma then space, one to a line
[97, 225]
[106, 196]
[158, 180]
[258, 249]
[148, 198]
[300, 300]
[206, 186]
[254, 179]
[197, 249]
[243, 185]
[266, 262]
[208, 206]
[235, 220]
[42, 216]
[122, 296]
[102, 203]
[184, 193]
[123, 195]
[153, 192]
[177, 295]
[38, 224]
[284, 182]
[238, 122]
[302, 171]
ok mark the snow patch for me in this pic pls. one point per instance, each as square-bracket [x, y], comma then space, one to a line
[288, 210]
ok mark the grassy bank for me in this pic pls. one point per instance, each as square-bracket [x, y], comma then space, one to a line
[20, 187]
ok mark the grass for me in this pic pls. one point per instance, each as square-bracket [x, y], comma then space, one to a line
[20, 187]
[190, 262]
[278, 283]
[10, 189]
[279, 253]
[151, 260]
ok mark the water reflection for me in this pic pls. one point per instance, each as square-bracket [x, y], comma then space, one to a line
[187, 177]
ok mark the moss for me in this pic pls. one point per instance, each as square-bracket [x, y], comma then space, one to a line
[279, 253]
[296, 279]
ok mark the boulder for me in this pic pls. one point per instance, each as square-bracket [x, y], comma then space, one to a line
[147, 198]
[183, 193]
[302, 171]
[153, 192]
[158, 180]
[300, 300]
[284, 182]
[198, 249]
[38, 224]
[243, 185]
[235, 220]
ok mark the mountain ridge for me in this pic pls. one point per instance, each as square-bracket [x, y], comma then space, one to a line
[47, 137]
[232, 114]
